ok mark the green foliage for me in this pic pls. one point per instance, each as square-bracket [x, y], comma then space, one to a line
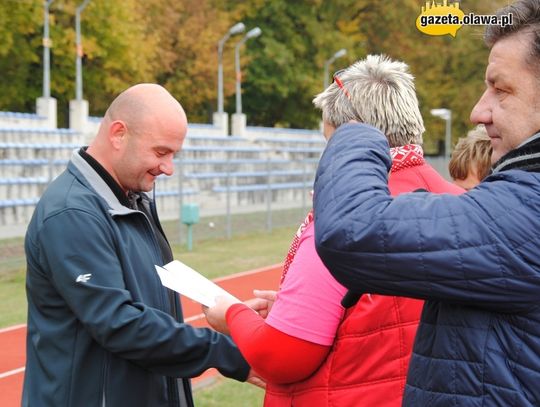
[285, 71]
[175, 43]
[20, 39]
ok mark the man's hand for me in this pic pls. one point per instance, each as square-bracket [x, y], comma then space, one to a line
[255, 379]
[216, 315]
[263, 301]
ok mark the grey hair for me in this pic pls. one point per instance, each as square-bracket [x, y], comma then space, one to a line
[380, 92]
[525, 18]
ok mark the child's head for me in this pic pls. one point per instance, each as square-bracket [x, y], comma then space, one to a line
[471, 158]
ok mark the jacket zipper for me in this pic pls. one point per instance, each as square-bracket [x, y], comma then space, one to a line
[104, 383]
[172, 384]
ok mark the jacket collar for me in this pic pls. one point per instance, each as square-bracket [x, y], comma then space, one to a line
[524, 157]
[104, 174]
[99, 185]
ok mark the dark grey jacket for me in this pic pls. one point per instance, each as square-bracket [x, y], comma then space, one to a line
[101, 329]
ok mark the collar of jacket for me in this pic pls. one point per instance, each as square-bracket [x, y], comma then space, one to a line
[524, 157]
[100, 186]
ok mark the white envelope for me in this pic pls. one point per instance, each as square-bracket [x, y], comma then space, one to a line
[186, 281]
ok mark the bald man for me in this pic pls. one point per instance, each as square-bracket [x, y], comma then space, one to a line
[102, 330]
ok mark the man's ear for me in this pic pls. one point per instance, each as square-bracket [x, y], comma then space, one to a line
[117, 134]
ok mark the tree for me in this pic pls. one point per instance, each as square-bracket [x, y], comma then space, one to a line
[19, 63]
[285, 71]
[175, 44]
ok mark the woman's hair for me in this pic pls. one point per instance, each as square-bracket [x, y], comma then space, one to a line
[473, 150]
[376, 91]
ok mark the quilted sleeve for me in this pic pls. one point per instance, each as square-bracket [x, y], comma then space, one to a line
[478, 248]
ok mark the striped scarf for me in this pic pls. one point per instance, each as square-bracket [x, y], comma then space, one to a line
[525, 157]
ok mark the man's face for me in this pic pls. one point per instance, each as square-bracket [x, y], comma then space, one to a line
[510, 106]
[147, 155]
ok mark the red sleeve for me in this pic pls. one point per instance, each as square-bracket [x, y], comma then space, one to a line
[277, 357]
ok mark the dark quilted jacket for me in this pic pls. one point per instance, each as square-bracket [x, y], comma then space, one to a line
[474, 258]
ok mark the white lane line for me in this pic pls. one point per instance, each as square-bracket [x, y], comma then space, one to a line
[11, 372]
[12, 328]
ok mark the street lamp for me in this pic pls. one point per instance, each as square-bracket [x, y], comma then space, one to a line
[446, 115]
[45, 104]
[46, 51]
[235, 29]
[254, 32]
[337, 55]
[78, 72]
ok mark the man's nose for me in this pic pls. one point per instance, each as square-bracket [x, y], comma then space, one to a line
[481, 112]
[167, 167]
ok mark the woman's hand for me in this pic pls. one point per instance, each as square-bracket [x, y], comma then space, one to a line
[263, 301]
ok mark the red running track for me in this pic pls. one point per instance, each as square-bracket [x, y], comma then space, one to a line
[12, 339]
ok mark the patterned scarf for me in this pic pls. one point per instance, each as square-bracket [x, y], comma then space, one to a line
[409, 155]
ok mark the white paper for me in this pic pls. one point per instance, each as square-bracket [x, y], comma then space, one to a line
[186, 281]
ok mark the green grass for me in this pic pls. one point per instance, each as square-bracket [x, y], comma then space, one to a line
[12, 279]
[221, 257]
[12, 299]
[229, 393]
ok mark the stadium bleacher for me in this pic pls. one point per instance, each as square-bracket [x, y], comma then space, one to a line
[276, 164]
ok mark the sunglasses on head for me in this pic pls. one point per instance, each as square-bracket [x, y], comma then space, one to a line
[339, 83]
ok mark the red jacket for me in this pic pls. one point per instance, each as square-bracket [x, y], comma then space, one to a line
[368, 362]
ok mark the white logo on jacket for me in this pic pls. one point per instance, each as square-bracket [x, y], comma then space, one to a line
[83, 278]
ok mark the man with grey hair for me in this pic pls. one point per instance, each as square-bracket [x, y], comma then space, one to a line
[474, 258]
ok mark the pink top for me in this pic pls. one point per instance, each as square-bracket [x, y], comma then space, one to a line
[308, 305]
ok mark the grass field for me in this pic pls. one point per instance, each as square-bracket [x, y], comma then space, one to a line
[212, 255]
[229, 393]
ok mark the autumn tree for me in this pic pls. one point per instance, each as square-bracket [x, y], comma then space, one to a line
[174, 43]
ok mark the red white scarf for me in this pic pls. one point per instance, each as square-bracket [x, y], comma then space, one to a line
[409, 155]
[294, 245]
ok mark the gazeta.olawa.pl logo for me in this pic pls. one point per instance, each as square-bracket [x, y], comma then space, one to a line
[448, 18]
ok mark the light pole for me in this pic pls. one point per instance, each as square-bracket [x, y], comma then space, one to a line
[235, 29]
[446, 115]
[46, 105]
[328, 62]
[78, 108]
[254, 32]
[78, 61]
[46, 51]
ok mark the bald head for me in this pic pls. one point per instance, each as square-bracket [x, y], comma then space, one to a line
[142, 130]
[143, 101]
